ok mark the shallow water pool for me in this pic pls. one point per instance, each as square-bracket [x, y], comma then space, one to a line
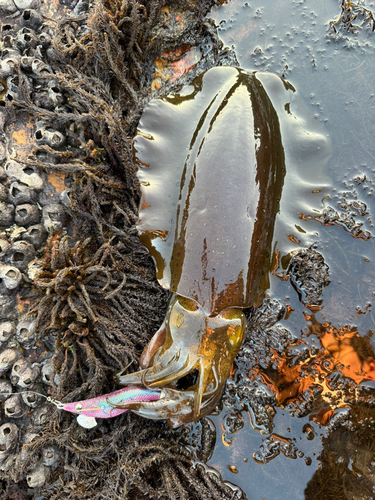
[298, 414]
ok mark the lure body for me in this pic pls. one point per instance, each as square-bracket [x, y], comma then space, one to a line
[106, 406]
[109, 405]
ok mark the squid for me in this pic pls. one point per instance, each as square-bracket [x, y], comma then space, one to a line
[212, 162]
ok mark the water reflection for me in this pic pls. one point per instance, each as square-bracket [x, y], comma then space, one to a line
[321, 383]
[347, 460]
[343, 352]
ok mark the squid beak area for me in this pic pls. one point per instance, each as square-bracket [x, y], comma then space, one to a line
[187, 395]
[176, 407]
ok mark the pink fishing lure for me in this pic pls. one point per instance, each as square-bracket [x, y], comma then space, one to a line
[105, 406]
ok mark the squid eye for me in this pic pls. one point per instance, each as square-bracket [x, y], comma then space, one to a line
[188, 304]
[232, 314]
[78, 407]
[235, 334]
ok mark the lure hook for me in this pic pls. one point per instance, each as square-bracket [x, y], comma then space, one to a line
[55, 402]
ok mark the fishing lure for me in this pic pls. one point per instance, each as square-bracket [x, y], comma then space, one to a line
[105, 406]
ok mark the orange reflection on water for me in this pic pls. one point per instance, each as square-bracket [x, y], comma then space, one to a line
[343, 350]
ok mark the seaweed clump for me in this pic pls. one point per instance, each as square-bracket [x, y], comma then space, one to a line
[98, 300]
